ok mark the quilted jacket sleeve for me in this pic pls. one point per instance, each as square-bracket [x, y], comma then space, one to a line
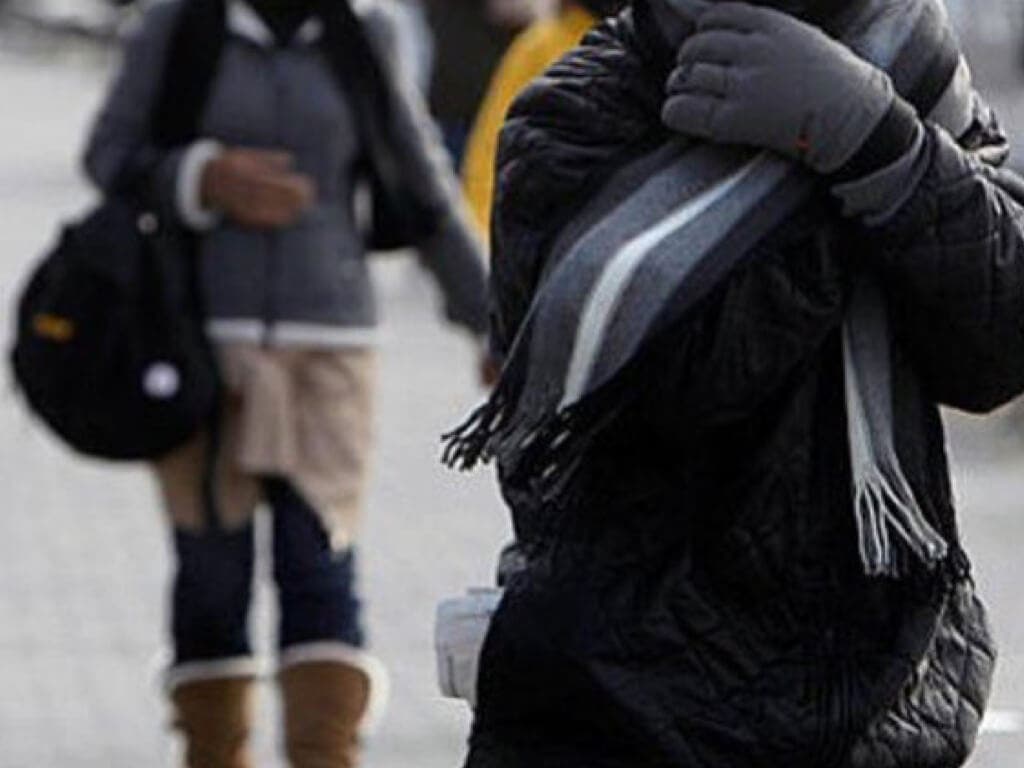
[952, 258]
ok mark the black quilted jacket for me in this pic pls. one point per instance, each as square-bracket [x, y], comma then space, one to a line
[699, 602]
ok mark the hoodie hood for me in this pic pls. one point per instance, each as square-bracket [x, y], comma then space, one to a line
[819, 12]
[674, 18]
[602, 8]
[284, 17]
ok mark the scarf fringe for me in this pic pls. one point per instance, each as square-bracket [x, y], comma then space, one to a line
[472, 442]
[467, 445]
[890, 525]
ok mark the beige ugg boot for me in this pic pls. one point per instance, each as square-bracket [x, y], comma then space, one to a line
[327, 703]
[215, 717]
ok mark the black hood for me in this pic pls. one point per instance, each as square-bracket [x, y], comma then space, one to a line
[817, 11]
[659, 19]
[602, 8]
[284, 16]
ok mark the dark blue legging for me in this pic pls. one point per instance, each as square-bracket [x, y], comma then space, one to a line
[213, 584]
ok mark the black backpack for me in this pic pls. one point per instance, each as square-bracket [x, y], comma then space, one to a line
[110, 351]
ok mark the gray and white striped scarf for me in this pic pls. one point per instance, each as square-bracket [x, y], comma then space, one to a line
[667, 229]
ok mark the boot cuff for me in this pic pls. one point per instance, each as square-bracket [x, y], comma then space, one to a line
[245, 667]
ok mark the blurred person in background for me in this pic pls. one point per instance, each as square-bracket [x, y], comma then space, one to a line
[537, 48]
[293, 121]
[743, 252]
[469, 38]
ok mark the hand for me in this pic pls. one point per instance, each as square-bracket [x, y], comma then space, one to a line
[755, 76]
[256, 188]
[511, 14]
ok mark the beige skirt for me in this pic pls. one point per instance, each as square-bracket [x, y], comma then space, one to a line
[304, 414]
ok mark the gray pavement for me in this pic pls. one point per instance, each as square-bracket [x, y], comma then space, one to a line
[83, 552]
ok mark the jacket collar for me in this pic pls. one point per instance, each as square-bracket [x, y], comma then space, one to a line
[244, 22]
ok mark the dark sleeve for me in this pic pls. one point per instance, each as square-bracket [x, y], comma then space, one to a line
[952, 260]
[454, 257]
[119, 140]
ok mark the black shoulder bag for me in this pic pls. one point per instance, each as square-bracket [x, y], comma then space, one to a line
[110, 348]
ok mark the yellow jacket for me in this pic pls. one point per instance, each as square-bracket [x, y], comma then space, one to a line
[536, 49]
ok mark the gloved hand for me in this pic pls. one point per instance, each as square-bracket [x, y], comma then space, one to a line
[758, 77]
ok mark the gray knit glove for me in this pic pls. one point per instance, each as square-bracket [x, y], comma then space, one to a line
[758, 77]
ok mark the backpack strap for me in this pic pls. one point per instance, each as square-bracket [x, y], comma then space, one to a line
[190, 67]
[401, 217]
[193, 55]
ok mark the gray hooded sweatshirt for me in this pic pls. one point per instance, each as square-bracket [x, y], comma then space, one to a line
[309, 283]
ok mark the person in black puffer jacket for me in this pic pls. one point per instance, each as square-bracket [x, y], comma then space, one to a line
[697, 600]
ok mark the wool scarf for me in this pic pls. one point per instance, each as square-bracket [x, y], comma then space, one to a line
[662, 233]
